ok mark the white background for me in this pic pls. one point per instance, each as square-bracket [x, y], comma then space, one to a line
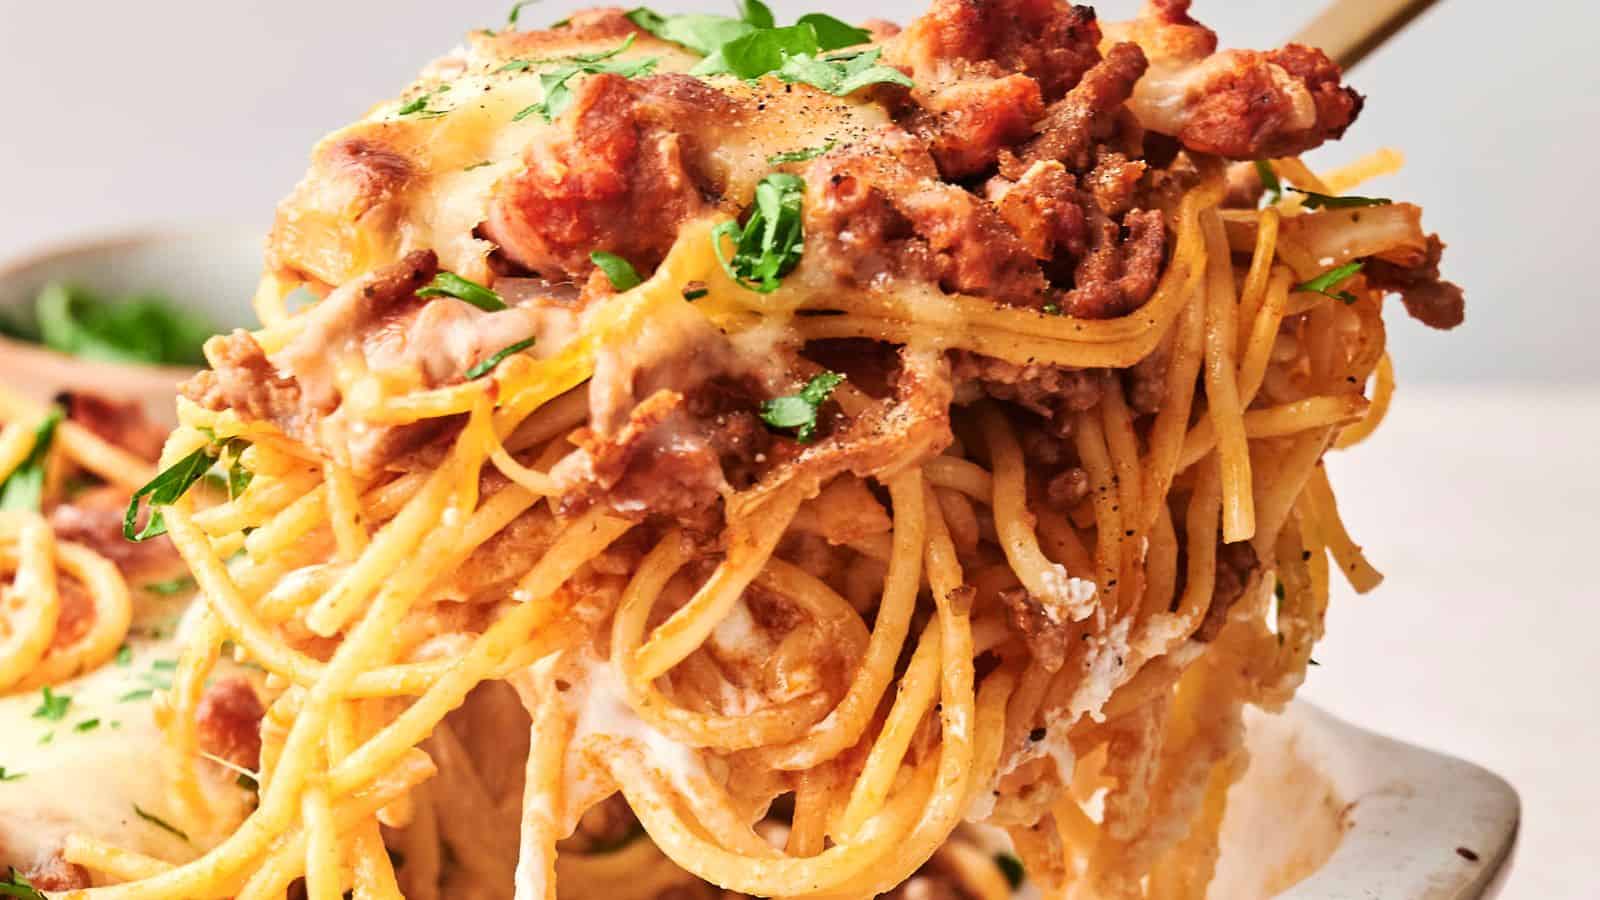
[1479, 499]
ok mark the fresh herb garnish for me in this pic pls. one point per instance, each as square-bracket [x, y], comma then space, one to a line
[6, 775]
[1269, 180]
[52, 706]
[164, 490]
[14, 885]
[554, 83]
[1325, 283]
[619, 271]
[47, 737]
[769, 244]
[799, 411]
[694, 290]
[418, 106]
[477, 165]
[486, 366]
[1011, 867]
[1314, 200]
[23, 489]
[808, 153]
[140, 694]
[146, 329]
[516, 10]
[160, 823]
[449, 284]
[87, 725]
[168, 588]
[124, 656]
[752, 45]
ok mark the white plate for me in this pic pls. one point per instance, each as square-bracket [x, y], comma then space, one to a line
[1384, 819]
[211, 270]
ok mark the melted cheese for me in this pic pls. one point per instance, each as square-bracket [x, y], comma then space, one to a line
[394, 183]
[90, 781]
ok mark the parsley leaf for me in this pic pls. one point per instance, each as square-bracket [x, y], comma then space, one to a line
[769, 244]
[499, 356]
[833, 34]
[700, 32]
[1011, 867]
[418, 105]
[140, 694]
[124, 656]
[802, 155]
[842, 76]
[160, 823]
[619, 271]
[11, 776]
[554, 83]
[87, 725]
[1314, 200]
[516, 10]
[24, 488]
[52, 706]
[694, 290]
[166, 589]
[449, 284]
[14, 885]
[752, 45]
[164, 490]
[1269, 180]
[799, 411]
[1325, 283]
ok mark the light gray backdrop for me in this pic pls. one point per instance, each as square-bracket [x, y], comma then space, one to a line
[127, 113]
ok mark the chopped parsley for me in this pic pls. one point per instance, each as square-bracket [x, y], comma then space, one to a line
[1325, 283]
[769, 244]
[799, 411]
[169, 587]
[554, 83]
[418, 105]
[477, 165]
[619, 271]
[24, 488]
[6, 775]
[174, 481]
[87, 725]
[14, 885]
[124, 656]
[753, 45]
[160, 823]
[52, 706]
[487, 365]
[516, 10]
[694, 290]
[1011, 867]
[139, 694]
[1269, 180]
[47, 737]
[449, 284]
[808, 153]
[1314, 200]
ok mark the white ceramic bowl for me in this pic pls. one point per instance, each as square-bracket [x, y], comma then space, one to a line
[1378, 818]
[211, 270]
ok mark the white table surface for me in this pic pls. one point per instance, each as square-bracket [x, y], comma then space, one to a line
[1479, 505]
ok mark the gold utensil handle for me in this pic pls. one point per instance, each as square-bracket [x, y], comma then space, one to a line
[1350, 29]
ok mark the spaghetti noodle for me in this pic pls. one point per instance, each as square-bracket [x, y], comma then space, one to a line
[956, 514]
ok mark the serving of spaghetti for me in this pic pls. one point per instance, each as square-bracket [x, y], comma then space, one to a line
[839, 455]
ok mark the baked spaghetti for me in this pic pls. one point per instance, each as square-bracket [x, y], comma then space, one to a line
[799, 440]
